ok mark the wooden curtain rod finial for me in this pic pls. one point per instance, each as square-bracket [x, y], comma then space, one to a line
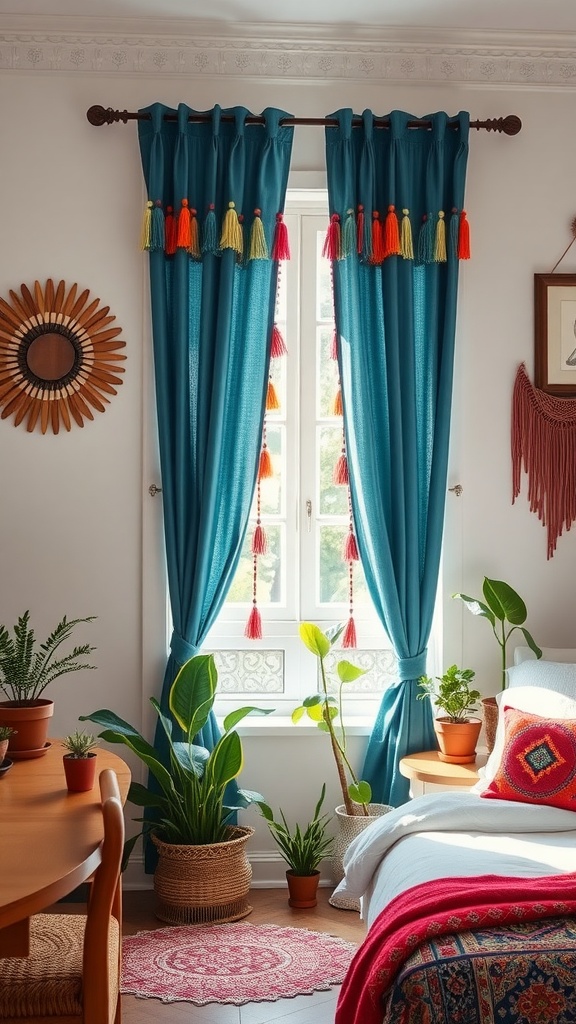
[98, 115]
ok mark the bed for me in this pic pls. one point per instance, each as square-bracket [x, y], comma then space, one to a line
[470, 898]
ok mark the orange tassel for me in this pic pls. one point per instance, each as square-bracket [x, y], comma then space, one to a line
[278, 346]
[377, 240]
[170, 232]
[337, 409]
[194, 246]
[183, 237]
[331, 247]
[391, 234]
[340, 475]
[349, 635]
[272, 401]
[265, 468]
[259, 540]
[351, 553]
[464, 238]
[253, 629]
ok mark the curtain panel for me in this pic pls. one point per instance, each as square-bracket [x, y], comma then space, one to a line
[398, 231]
[216, 191]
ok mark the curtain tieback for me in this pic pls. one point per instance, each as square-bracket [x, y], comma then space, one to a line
[413, 668]
[181, 649]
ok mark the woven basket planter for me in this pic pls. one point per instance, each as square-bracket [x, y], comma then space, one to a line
[203, 884]
[350, 826]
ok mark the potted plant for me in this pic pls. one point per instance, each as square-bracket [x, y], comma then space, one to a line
[325, 709]
[80, 761]
[26, 669]
[302, 849]
[203, 873]
[6, 732]
[456, 731]
[506, 612]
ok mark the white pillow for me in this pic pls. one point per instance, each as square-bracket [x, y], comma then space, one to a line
[537, 701]
[548, 675]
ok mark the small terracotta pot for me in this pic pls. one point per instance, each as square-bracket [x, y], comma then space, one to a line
[457, 740]
[302, 889]
[80, 772]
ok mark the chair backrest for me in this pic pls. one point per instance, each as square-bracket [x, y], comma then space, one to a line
[567, 655]
[105, 903]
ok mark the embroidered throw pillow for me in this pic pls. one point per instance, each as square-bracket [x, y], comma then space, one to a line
[538, 763]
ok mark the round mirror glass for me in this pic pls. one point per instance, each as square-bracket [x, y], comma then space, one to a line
[50, 356]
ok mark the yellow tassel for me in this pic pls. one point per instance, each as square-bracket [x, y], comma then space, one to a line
[146, 234]
[406, 246]
[231, 237]
[440, 242]
[258, 248]
[272, 401]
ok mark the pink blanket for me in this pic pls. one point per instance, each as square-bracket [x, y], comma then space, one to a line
[442, 907]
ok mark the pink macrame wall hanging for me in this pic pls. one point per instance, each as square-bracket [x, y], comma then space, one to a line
[544, 445]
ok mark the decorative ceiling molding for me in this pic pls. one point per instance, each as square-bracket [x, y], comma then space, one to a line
[290, 53]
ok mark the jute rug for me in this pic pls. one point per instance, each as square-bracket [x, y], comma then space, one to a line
[232, 963]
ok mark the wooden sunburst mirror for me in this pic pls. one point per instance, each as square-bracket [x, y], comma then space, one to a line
[59, 357]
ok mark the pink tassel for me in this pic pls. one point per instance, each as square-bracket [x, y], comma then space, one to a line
[259, 540]
[281, 245]
[331, 247]
[351, 548]
[349, 635]
[253, 629]
[278, 346]
[340, 475]
[334, 345]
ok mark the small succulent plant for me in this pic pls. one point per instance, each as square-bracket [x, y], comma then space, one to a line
[79, 744]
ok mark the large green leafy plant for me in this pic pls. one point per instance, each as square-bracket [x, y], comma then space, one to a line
[302, 848]
[188, 801]
[506, 613]
[26, 669]
[325, 709]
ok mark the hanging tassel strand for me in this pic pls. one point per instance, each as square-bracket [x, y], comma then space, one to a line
[210, 241]
[183, 236]
[406, 243]
[157, 240]
[464, 237]
[194, 247]
[331, 248]
[258, 249]
[340, 475]
[272, 401]
[281, 244]
[391, 234]
[440, 239]
[146, 232]
[170, 232]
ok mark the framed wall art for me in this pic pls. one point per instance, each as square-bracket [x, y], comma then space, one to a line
[555, 334]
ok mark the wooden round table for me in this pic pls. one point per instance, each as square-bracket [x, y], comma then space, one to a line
[50, 837]
[427, 767]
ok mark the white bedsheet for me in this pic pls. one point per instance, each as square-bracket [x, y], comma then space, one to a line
[455, 834]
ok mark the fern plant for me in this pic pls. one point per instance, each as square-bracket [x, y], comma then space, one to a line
[27, 668]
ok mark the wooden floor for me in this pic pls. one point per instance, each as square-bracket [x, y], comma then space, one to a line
[270, 906]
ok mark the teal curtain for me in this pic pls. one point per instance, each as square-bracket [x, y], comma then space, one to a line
[216, 190]
[396, 196]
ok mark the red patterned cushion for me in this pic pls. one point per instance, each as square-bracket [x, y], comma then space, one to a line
[538, 762]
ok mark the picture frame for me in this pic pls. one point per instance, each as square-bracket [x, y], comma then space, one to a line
[555, 334]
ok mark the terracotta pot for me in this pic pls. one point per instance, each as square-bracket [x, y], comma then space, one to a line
[457, 740]
[31, 721]
[80, 772]
[302, 889]
[490, 715]
[203, 884]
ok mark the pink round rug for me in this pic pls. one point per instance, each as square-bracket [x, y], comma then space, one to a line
[232, 963]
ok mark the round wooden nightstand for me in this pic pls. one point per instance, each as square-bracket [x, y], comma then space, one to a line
[426, 767]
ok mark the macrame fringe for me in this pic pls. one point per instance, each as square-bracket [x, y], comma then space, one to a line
[544, 444]
[349, 634]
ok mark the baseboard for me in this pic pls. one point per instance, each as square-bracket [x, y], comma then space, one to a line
[268, 872]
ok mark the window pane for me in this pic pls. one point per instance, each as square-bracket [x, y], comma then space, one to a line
[269, 569]
[271, 487]
[333, 497]
[327, 382]
[325, 304]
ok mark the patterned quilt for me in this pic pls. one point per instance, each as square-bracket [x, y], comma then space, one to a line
[514, 974]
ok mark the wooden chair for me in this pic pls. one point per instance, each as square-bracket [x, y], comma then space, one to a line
[72, 974]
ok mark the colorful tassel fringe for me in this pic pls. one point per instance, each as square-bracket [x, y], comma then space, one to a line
[146, 232]
[341, 470]
[281, 245]
[253, 629]
[278, 345]
[231, 237]
[183, 233]
[337, 409]
[349, 634]
[351, 553]
[210, 240]
[272, 401]
[332, 242]
[464, 237]
[259, 540]
[265, 468]
[440, 240]
[391, 234]
[257, 250]
[406, 244]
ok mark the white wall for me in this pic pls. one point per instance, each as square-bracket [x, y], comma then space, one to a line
[73, 507]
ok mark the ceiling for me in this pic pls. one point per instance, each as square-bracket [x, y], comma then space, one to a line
[547, 16]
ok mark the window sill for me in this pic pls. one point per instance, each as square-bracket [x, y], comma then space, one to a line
[283, 726]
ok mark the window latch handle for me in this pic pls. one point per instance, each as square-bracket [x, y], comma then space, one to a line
[309, 513]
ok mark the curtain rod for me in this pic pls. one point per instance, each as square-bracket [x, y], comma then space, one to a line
[98, 116]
